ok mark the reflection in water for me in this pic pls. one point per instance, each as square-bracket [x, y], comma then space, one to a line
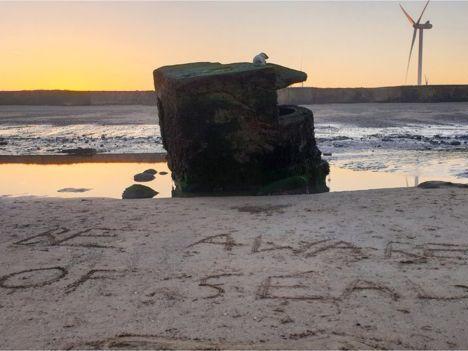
[103, 179]
[341, 179]
[110, 179]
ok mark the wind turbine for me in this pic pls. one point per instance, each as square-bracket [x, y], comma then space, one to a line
[421, 27]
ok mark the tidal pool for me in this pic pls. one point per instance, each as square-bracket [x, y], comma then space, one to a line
[109, 179]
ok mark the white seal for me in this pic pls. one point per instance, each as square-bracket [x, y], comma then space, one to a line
[260, 59]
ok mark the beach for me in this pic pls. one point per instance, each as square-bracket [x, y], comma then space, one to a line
[252, 175]
[364, 269]
[359, 267]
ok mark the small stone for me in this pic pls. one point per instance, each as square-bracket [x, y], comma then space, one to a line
[151, 171]
[143, 177]
[163, 173]
[138, 191]
[73, 190]
[434, 184]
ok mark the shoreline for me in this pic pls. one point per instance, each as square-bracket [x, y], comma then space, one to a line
[386, 137]
[71, 159]
[357, 270]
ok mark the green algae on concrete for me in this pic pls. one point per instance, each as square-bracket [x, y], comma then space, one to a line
[185, 73]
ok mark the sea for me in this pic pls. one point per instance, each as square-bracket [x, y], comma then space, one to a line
[367, 145]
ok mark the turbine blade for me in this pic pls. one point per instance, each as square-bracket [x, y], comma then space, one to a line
[411, 51]
[424, 9]
[407, 15]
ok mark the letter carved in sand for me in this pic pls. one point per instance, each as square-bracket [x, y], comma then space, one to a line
[61, 236]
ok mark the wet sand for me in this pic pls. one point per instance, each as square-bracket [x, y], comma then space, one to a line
[365, 269]
[368, 115]
[72, 159]
[420, 140]
[71, 115]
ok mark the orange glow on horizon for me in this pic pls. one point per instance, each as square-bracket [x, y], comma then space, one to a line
[116, 46]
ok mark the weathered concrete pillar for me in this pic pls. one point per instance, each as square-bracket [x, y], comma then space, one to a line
[225, 134]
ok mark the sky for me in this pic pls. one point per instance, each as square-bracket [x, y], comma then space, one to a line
[116, 45]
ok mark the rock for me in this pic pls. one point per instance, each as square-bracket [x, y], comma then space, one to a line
[3, 142]
[138, 191]
[434, 184]
[73, 190]
[225, 134]
[80, 151]
[163, 173]
[455, 142]
[151, 171]
[143, 177]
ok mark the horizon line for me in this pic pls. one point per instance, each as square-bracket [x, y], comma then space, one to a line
[291, 87]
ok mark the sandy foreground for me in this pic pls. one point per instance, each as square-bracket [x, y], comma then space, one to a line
[366, 269]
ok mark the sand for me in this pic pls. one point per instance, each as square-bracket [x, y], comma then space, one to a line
[365, 269]
[376, 115]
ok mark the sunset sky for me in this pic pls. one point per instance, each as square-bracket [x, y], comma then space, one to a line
[116, 45]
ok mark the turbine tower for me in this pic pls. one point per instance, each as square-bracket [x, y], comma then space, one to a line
[421, 27]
